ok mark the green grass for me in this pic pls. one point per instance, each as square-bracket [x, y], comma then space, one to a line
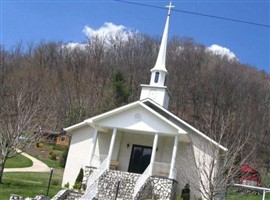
[30, 184]
[234, 195]
[47, 161]
[18, 162]
[45, 157]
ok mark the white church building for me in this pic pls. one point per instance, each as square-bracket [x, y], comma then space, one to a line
[140, 150]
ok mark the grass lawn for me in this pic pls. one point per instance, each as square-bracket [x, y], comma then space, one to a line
[18, 162]
[46, 160]
[234, 195]
[30, 184]
[43, 154]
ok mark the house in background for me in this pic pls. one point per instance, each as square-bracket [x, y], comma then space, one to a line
[140, 148]
[250, 176]
[58, 138]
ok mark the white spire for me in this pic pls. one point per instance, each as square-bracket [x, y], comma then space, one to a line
[156, 90]
[161, 59]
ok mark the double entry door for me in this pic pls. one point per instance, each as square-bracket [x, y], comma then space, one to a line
[139, 159]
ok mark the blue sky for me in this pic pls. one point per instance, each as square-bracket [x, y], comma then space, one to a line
[37, 20]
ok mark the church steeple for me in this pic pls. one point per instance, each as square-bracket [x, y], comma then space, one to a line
[161, 59]
[156, 90]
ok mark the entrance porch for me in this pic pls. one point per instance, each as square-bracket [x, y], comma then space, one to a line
[141, 164]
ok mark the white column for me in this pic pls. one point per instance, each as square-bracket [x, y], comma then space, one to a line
[93, 145]
[174, 153]
[153, 155]
[111, 148]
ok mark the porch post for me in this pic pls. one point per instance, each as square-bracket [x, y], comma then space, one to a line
[111, 148]
[94, 142]
[153, 155]
[175, 147]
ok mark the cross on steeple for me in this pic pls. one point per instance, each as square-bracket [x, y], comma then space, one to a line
[156, 90]
[170, 6]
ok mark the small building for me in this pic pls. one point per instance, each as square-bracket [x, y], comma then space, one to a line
[58, 138]
[250, 176]
[141, 147]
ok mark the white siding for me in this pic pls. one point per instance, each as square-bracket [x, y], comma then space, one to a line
[78, 155]
[138, 119]
[102, 147]
[204, 155]
[186, 169]
[168, 143]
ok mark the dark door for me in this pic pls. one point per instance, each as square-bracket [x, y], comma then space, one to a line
[139, 159]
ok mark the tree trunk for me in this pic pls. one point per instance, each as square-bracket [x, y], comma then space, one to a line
[2, 166]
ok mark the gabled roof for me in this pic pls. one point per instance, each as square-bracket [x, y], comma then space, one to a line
[159, 114]
[179, 121]
[135, 116]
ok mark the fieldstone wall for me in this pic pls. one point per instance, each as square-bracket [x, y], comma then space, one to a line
[108, 182]
[158, 188]
[87, 172]
[155, 187]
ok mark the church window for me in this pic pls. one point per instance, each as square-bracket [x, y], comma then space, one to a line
[156, 77]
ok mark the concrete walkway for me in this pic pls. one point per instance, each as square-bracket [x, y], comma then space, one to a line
[37, 166]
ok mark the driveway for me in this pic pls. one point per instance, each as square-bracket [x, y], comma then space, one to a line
[37, 166]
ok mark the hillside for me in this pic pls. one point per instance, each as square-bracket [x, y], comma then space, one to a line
[218, 95]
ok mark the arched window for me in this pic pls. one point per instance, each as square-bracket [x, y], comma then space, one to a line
[156, 77]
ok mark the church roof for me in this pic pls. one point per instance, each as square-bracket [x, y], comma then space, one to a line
[173, 118]
[165, 121]
[135, 116]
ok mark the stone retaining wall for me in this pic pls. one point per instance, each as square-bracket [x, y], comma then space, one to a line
[107, 185]
[154, 188]
[158, 188]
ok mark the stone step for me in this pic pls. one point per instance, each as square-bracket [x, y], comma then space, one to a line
[73, 196]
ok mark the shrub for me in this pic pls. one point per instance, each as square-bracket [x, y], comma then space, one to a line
[80, 176]
[52, 156]
[78, 182]
[52, 146]
[60, 148]
[66, 185]
[55, 182]
[40, 144]
[77, 186]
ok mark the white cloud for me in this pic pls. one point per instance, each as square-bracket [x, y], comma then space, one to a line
[74, 45]
[222, 51]
[108, 31]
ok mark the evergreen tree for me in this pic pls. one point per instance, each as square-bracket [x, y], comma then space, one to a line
[116, 93]
[78, 182]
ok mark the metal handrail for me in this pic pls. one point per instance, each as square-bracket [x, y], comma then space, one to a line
[265, 190]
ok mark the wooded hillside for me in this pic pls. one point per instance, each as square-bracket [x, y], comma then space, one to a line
[211, 92]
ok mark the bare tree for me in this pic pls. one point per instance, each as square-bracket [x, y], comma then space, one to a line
[215, 168]
[23, 108]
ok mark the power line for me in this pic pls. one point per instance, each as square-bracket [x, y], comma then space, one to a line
[196, 13]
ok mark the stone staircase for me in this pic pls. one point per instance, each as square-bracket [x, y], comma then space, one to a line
[73, 196]
[111, 180]
[67, 195]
